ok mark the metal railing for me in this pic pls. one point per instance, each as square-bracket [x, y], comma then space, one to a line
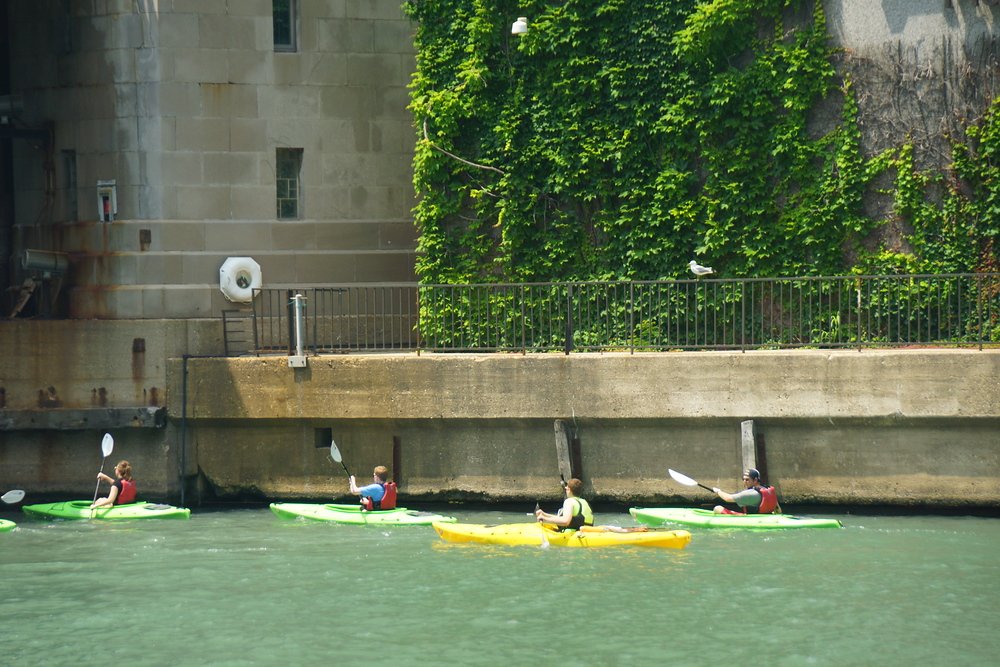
[732, 314]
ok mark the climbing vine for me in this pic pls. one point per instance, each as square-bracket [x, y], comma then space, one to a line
[618, 139]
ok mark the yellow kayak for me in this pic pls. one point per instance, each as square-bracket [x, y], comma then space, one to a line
[536, 534]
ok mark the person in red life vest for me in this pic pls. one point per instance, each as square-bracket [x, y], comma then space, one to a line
[380, 494]
[755, 498]
[122, 489]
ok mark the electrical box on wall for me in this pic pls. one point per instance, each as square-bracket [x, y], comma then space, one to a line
[107, 201]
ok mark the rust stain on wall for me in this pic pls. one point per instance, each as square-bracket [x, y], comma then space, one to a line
[49, 398]
[138, 358]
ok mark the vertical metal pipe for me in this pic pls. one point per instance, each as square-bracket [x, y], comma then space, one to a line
[569, 318]
[184, 406]
[297, 302]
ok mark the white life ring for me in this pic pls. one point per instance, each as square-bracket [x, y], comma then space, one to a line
[238, 278]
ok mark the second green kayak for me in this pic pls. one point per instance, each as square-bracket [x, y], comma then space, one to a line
[341, 513]
[80, 509]
[7, 526]
[658, 516]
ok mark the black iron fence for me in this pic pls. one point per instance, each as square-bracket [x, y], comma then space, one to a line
[732, 314]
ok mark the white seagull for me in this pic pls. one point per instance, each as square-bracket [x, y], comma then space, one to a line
[699, 270]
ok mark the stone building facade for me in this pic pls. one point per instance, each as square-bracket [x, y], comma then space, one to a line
[150, 140]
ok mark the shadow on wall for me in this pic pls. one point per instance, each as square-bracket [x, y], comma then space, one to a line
[957, 14]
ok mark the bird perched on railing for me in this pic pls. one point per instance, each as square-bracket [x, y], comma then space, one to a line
[699, 270]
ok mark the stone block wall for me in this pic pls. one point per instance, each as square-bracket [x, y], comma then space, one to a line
[184, 104]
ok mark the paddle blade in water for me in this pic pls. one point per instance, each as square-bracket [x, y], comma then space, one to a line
[683, 479]
[335, 453]
[14, 496]
[107, 445]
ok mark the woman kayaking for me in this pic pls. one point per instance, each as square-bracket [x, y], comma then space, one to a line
[122, 489]
[575, 512]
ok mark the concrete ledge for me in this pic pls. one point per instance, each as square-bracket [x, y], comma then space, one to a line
[81, 419]
[807, 384]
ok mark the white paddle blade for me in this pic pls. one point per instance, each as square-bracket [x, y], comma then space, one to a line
[683, 479]
[335, 453]
[11, 497]
[107, 445]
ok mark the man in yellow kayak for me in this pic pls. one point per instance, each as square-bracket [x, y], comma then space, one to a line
[755, 498]
[575, 511]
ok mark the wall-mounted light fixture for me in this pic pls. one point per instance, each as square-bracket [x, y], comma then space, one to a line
[107, 201]
[520, 26]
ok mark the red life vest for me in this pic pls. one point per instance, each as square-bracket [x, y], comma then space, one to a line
[768, 499]
[388, 501]
[127, 493]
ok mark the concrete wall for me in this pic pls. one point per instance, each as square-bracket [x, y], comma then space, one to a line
[184, 104]
[921, 71]
[63, 384]
[867, 26]
[885, 427]
[895, 427]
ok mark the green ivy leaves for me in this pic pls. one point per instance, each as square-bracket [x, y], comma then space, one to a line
[618, 140]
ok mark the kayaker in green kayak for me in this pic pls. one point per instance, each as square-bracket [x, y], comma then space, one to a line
[380, 494]
[122, 489]
[575, 512]
[755, 498]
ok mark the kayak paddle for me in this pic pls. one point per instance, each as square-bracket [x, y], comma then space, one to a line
[14, 496]
[107, 446]
[335, 455]
[687, 481]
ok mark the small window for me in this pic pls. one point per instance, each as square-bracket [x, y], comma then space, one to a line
[284, 14]
[288, 166]
[322, 437]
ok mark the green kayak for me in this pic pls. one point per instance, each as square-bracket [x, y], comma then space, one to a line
[657, 516]
[80, 509]
[338, 513]
[6, 526]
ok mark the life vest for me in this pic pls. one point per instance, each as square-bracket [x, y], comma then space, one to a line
[768, 502]
[768, 499]
[582, 515]
[126, 494]
[388, 501]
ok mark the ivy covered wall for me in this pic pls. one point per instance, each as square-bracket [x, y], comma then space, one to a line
[619, 139]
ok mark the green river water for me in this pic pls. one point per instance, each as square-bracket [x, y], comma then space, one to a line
[242, 587]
